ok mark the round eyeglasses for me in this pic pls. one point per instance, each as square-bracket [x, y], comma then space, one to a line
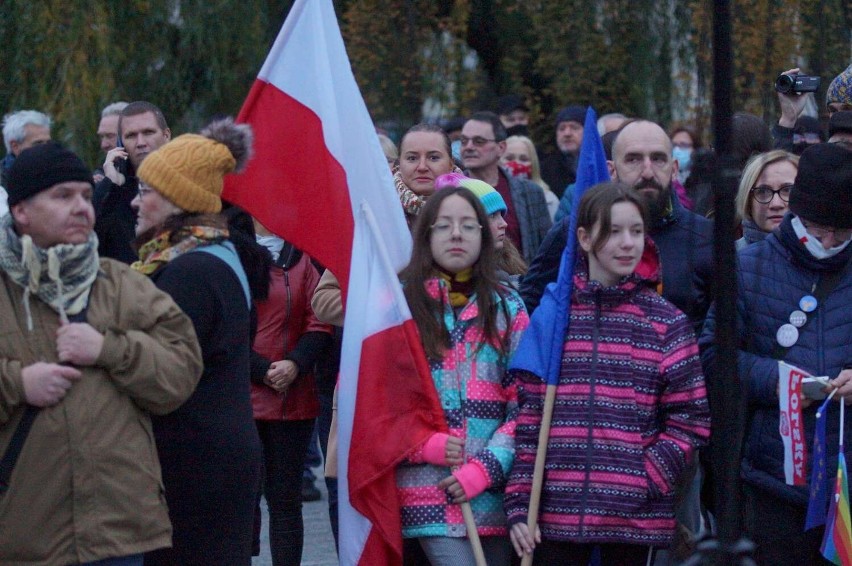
[764, 194]
[467, 229]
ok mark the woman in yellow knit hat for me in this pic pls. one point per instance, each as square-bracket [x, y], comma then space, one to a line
[209, 448]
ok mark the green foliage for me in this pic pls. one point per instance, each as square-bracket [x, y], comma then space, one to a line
[193, 58]
[198, 58]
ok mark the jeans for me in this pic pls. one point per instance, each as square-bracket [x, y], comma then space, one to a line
[326, 381]
[284, 446]
[447, 551]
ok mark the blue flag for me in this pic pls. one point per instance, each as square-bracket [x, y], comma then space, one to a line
[819, 478]
[540, 350]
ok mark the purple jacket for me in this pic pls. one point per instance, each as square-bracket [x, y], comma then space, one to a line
[630, 410]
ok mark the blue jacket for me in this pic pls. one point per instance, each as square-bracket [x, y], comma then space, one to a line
[685, 242]
[773, 275]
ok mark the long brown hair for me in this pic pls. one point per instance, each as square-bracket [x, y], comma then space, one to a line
[426, 311]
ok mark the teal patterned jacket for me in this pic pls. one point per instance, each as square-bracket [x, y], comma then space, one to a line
[480, 404]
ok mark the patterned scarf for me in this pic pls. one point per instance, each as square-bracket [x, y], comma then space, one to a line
[411, 202]
[61, 276]
[160, 251]
[460, 284]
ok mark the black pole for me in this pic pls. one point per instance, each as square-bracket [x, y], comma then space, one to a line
[727, 396]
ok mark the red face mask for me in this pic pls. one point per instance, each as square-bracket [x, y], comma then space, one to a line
[518, 169]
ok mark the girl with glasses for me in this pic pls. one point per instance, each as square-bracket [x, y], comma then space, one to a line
[764, 193]
[469, 325]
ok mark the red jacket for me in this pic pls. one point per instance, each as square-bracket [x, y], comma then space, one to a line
[282, 320]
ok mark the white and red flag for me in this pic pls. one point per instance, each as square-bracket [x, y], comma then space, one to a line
[319, 179]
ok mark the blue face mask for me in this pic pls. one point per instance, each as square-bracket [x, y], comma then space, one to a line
[683, 157]
[456, 149]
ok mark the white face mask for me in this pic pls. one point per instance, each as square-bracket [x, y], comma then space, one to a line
[271, 243]
[814, 246]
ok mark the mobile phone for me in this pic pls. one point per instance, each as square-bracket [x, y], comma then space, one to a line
[120, 162]
[812, 387]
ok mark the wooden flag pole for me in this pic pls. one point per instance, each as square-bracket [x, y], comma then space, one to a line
[472, 534]
[538, 470]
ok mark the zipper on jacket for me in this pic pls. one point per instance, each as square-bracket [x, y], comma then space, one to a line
[591, 412]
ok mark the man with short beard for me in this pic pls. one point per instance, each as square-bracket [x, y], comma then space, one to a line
[642, 158]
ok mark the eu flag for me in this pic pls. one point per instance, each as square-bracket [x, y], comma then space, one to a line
[819, 477]
[540, 350]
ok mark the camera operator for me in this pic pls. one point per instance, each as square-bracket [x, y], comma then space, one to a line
[838, 98]
[792, 105]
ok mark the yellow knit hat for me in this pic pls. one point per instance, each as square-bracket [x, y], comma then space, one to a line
[189, 171]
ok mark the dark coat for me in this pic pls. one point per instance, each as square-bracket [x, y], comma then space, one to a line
[531, 210]
[209, 448]
[115, 220]
[558, 170]
[773, 275]
[685, 242]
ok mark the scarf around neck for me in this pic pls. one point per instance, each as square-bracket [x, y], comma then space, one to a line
[460, 286]
[61, 275]
[160, 251]
[411, 201]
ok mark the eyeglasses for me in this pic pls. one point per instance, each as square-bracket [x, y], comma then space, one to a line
[143, 190]
[478, 141]
[764, 194]
[468, 229]
[819, 232]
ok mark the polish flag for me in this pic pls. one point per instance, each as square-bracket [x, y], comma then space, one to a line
[320, 180]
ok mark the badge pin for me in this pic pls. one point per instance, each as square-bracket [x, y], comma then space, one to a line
[798, 319]
[808, 303]
[787, 335]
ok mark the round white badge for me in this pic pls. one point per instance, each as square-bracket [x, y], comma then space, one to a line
[787, 335]
[798, 319]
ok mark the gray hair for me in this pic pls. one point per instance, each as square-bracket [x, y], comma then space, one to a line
[14, 124]
[113, 109]
[602, 121]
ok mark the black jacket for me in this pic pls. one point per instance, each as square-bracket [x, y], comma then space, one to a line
[558, 170]
[115, 221]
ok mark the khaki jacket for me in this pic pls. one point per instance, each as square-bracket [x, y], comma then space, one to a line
[326, 301]
[87, 484]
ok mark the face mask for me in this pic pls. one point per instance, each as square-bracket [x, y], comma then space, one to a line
[814, 246]
[683, 157]
[456, 149]
[271, 243]
[518, 169]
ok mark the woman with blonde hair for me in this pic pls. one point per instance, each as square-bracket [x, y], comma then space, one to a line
[764, 193]
[521, 159]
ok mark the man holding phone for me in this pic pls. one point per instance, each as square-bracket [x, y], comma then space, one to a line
[142, 128]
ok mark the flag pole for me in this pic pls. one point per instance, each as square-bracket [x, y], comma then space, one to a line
[548, 332]
[472, 534]
[467, 511]
[538, 471]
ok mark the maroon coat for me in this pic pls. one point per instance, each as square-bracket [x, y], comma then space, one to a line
[283, 319]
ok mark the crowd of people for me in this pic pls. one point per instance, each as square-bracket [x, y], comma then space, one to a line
[166, 360]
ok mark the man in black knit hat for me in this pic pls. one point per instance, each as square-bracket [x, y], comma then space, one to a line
[88, 350]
